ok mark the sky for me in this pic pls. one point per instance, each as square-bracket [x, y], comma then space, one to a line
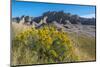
[90, 2]
[35, 9]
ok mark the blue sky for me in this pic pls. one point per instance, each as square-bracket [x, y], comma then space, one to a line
[37, 9]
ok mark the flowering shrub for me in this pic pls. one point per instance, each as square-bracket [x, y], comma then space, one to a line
[46, 44]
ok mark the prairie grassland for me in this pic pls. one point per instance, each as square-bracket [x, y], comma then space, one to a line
[85, 46]
[47, 45]
[17, 28]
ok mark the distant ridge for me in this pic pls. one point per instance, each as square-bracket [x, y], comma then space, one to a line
[60, 17]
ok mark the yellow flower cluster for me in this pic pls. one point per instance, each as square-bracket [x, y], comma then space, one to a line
[46, 38]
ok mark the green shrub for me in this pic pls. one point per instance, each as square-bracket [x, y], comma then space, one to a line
[44, 45]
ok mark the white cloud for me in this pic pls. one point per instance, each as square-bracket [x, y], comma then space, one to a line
[89, 16]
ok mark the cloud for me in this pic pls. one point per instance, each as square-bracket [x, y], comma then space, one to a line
[89, 16]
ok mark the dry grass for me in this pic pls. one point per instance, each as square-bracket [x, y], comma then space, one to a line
[83, 44]
[17, 28]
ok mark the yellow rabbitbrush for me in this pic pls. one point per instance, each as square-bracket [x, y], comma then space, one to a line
[43, 45]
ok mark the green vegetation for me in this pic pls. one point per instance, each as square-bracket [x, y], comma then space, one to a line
[48, 45]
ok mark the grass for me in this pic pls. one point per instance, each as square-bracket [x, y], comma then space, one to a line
[45, 45]
[85, 46]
